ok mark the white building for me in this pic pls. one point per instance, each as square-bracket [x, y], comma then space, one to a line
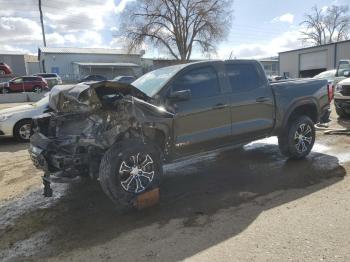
[310, 61]
[74, 63]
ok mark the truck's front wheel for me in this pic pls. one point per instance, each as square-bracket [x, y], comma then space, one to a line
[128, 169]
[297, 140]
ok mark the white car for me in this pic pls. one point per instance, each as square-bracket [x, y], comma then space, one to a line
[52, 79]
[16, 121]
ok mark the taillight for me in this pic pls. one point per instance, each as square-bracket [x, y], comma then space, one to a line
[330, 89]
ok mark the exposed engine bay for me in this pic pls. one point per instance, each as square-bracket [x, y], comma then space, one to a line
[85, 120]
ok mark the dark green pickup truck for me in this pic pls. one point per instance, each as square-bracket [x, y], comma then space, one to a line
[122, 134]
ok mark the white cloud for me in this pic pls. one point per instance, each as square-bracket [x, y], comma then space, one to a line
[286, 41]
[19, 30]
[122, 4]
[55, 39]
[286, 18]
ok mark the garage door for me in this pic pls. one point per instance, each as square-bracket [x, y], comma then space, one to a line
[314, 60]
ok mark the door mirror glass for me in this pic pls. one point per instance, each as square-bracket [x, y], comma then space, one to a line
[182, 95]
[346, 73]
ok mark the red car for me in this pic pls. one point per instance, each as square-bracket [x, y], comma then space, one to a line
[5, 69]
[25, 84]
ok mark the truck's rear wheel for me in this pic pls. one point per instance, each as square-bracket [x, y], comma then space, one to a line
[298, 139]
[128, 169]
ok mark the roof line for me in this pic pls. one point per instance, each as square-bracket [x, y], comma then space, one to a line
[310, 47]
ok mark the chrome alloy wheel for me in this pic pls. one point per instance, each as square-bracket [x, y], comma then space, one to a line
[24, 131]
[136, 173]
[303, 138]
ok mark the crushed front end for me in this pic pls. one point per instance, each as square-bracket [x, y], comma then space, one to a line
[86, 120]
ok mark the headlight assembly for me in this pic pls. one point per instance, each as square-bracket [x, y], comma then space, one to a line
[338, 88]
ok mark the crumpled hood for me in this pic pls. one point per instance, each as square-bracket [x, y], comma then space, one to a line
[86, 96]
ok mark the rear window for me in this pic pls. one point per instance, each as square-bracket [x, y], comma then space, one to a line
[32, 78]
[47, 75]
[243, 77]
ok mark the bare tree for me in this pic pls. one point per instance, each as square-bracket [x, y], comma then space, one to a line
[177, 25]
[325, 26]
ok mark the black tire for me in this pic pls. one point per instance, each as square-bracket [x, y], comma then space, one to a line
[37, 89]
[6, 91]
[297, 140]
[22, 130]
[118, 183]
[2, 72]
[341, 112]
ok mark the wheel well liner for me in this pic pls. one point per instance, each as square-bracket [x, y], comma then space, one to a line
[308, 109]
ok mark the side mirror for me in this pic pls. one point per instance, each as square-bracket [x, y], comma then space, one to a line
[182, 95]
[346, 73]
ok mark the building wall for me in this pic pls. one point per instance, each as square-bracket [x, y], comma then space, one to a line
[290, 61]
[63, 63]
[343, 51]
[33, 68]
[16, 62]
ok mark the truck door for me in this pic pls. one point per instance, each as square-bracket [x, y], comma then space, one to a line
[203, 121]
[252, 101]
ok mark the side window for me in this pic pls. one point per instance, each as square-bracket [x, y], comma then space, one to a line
[203, 82]
[18, 80]
[243, 77]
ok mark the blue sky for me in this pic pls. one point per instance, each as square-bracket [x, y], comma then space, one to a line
[259, 28]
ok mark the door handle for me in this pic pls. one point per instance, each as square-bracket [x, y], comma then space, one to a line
[262, 99]
[219, 106]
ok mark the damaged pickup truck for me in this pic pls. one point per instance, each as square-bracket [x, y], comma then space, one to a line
[122, 134]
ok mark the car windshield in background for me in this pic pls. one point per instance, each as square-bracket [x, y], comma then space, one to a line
[326, 74]
[152, 82]
[47, 75]
[342, 68]
[42, 102]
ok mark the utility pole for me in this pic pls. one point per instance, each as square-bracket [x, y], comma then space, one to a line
[42, 23]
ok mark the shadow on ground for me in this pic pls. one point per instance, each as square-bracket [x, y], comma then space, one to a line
[83, 217]
[11, 145]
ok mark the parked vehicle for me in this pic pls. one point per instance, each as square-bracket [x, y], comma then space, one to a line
[342, 96]
[16, 121]
[121, 134]
[343, 66]
[124, 79]
[52, 79]
[90, 78]
[330, 77]
[24, 84]
[5, 69]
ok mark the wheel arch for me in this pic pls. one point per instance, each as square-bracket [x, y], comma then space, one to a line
[306, 108]
[19, 121]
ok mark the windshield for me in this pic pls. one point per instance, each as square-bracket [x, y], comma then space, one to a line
[42, 102]
[343, 67]
[153, 81]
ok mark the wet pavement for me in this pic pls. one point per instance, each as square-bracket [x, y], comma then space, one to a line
[206, 203]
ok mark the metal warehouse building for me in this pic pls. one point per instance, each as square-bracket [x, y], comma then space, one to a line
[310, 61]
[74, 63]
[17, 61]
